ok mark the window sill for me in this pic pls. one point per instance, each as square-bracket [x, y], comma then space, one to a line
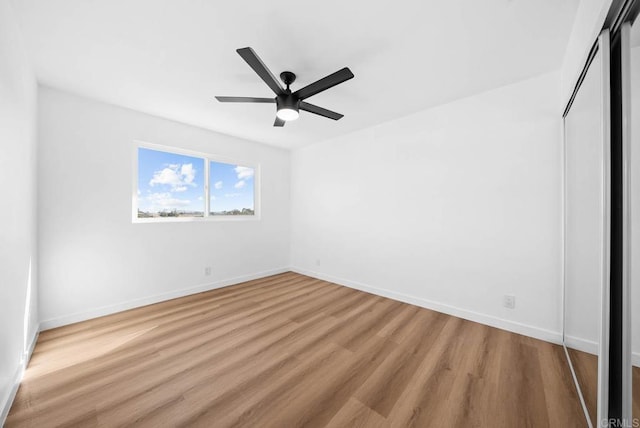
[217, 218]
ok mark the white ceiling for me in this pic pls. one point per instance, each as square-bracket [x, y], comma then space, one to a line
[169, 57]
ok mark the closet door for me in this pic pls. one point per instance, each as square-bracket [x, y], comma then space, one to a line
[587, 228]
[630, 77]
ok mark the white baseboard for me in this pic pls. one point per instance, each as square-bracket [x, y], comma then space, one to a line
[17, 378]
[584, 345]
[136, 303]
[591, 347]
[501, 323]
[8, 400]
[32, 346]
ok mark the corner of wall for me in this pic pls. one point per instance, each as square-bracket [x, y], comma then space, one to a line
[5, 404]
[489, 320]
[589, 20]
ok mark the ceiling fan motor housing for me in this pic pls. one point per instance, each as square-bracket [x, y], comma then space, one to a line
[287, 101]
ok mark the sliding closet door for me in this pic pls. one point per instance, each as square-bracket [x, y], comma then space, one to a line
[587, 163]
[630, 70]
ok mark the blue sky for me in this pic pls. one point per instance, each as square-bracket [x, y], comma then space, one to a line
[230, 186]
[168, 181]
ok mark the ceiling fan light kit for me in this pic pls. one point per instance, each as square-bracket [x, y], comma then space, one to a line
[287, 114]
[288, 104]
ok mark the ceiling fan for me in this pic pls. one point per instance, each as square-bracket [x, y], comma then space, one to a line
[289, 103]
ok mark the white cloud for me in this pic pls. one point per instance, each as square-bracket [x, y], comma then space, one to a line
[188, 173]
[165, 200]
[239, 185]
[199, 198]
[165, 176]
[175, 175]
[218, 185]
[232, 195]
[244, 172]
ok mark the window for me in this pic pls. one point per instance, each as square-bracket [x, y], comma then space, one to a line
[175, 185]
[231, 189]
[169, 184]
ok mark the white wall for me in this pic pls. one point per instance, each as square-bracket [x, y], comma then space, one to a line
[450, 208]
[18, 276]
[588, 22]
[93, 259]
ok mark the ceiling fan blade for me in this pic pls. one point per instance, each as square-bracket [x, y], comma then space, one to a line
[245, 100]
[279, 122]
[320, 111]
[324, 83]
[258, 66]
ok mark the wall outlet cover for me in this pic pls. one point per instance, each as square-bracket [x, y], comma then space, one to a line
[509, 301]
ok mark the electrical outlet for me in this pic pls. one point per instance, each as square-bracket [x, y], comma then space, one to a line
[509, 301]
[207, 271]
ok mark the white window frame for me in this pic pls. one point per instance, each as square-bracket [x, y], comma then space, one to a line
[207, 157]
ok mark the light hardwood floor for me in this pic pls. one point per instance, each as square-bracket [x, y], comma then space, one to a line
[289, 351]
[636, 392]
[586, 368]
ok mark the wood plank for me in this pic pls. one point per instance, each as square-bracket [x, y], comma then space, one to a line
[636, 393]
[289, 350]
[356, 415]
[586, 367]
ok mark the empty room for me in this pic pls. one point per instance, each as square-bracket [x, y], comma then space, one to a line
[329, 214]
